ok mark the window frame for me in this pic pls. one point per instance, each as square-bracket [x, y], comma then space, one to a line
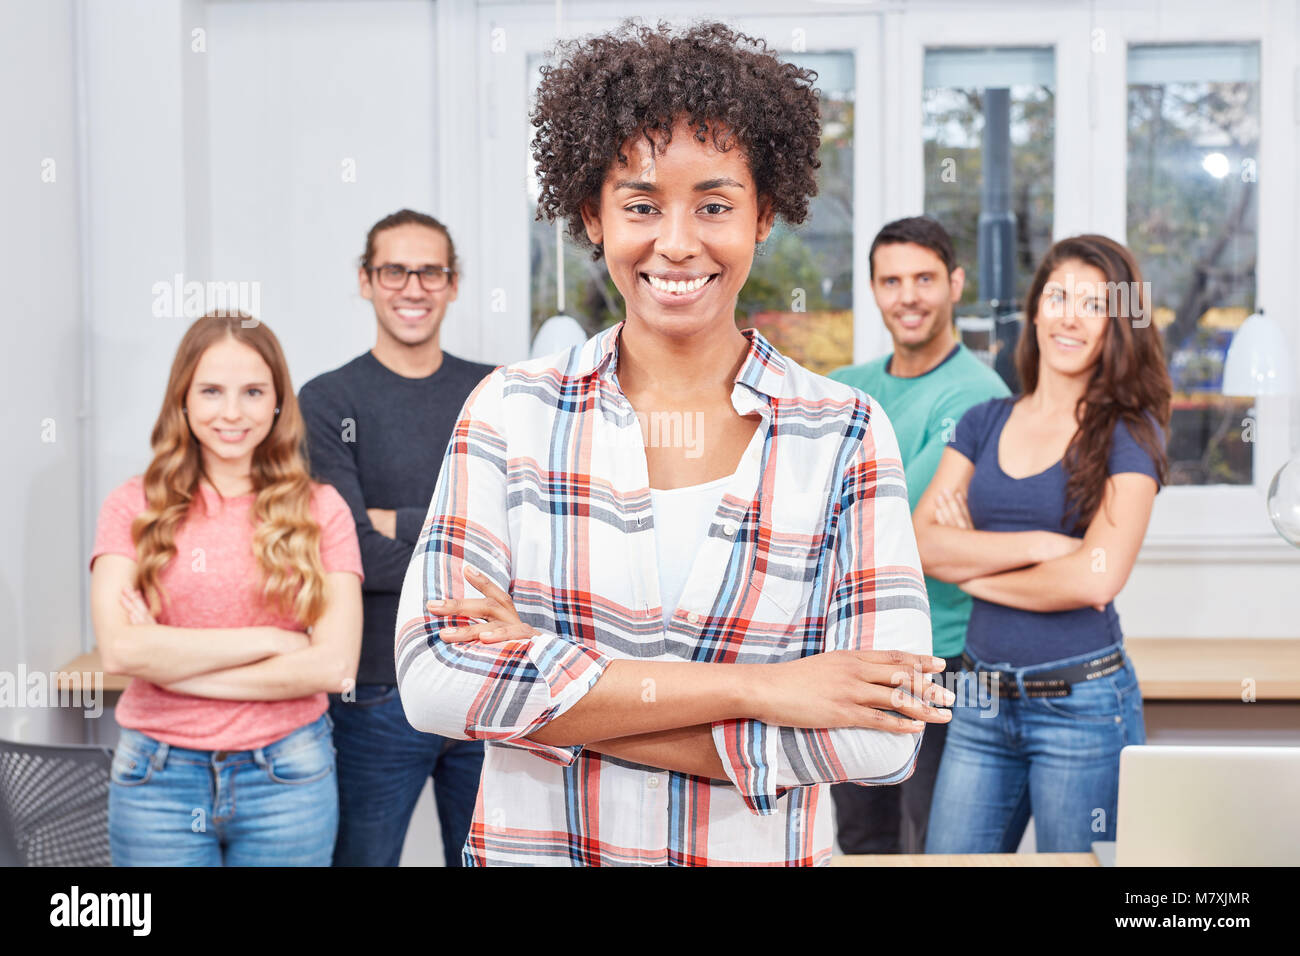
[1209, 523]
[1189, 522]
[503, 123]
[1229, 521]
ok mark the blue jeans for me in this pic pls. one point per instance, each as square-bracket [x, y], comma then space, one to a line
[273, 806]
[1056, 758]
[383, 763]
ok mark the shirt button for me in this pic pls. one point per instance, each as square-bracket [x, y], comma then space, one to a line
[693, 617]
[729, 528]
[652, 782]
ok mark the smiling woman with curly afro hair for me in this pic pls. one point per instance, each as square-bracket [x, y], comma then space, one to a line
[668, 502]
[637, 80]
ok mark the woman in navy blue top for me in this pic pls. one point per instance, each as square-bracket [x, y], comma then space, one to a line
[1038, 510]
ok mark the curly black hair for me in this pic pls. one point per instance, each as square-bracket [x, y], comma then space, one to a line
[640, 79]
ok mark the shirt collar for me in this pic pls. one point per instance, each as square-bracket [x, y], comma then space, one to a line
[762, 372]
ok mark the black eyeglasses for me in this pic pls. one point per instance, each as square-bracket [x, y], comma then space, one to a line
[394, 277]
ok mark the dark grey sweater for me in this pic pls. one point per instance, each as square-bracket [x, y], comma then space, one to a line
[379, 438]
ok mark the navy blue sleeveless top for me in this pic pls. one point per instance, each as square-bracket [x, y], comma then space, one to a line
[999, 634]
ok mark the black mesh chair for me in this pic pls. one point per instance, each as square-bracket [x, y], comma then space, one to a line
[53, 805]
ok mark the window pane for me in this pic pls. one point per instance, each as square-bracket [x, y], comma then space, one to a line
[800, 289]
[988, 124]
[1193, 139]
[590, 296]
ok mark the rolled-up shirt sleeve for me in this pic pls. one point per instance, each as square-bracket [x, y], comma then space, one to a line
[878, 602]
[501, 692]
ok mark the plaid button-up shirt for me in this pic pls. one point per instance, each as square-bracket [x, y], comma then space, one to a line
[545, 489]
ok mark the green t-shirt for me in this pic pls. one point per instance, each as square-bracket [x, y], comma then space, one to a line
[924, 412]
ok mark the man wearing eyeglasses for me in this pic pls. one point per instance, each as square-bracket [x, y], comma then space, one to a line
[377, 430]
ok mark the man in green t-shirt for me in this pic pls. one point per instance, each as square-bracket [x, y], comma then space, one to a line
[924, 386]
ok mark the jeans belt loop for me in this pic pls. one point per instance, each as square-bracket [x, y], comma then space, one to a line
[159, 758]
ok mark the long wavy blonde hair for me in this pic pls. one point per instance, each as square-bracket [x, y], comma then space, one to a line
[286, 539]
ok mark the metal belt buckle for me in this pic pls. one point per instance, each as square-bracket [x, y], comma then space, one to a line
[998, 689]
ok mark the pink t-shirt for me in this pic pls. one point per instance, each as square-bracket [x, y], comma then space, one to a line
[214, 580]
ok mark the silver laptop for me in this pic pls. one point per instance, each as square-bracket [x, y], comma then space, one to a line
[1208, 806]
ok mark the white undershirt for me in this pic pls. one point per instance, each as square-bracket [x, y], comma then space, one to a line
[682, 518]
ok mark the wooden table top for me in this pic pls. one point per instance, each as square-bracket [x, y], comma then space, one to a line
[1205, 668]
[90, 663]
[969, 859]
[1168, 668]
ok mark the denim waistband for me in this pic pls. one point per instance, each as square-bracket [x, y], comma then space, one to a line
[1030, 669]
[158, 751]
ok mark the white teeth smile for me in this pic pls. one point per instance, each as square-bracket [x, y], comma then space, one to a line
[676, 287]
[412, 313]
[232, 436]
[1064, 342]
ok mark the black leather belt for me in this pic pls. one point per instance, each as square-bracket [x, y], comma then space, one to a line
[1053, 683]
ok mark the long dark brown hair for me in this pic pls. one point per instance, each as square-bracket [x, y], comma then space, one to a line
[1129, 381]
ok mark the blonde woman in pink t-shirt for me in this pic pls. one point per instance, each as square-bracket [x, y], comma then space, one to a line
[228, 585]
